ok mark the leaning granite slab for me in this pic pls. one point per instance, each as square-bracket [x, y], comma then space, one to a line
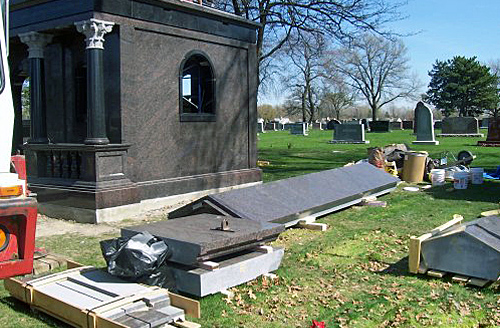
[471, 249]
[289, 200]
[460, 127]
[200, 237]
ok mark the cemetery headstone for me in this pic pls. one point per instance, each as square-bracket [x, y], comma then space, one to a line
[484, 123]
[299, 129]
[260, 127]
[396, 125]
[332, 123]
[425, 129]
[493, 138]
[366, 123]
[407, 125]
[349, 134]
[460, 127]
[318, 125]
[271, 126]
[380, 126]
[438, 124]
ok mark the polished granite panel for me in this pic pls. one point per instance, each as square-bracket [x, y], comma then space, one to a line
[200, 237]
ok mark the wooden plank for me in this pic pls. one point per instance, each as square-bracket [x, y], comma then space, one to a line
[264, 249]
[70, 264]
[457, 219]
[60, 276]
[478, 282]
[16, 288]
[208, 265]
[459, 278]
[191, 307]
[313, 226]
[489, 213]
[414, 253]
[436, 274]
[186, 324]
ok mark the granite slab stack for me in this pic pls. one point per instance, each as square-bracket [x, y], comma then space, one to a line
[460, 127]
[232, 244]
[349, 134]
[199, 238]
[471, 249]
[289, 200]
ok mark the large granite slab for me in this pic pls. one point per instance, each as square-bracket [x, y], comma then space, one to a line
[199, 237]
[289, 200]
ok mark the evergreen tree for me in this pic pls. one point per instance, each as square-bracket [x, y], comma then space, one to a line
[462, 85]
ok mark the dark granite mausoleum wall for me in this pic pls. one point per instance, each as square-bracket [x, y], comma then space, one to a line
[142, 62]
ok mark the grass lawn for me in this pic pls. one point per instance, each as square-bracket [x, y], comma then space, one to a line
[352, 275]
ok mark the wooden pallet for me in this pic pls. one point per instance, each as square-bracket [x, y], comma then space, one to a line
[469, 281]
[32, 293]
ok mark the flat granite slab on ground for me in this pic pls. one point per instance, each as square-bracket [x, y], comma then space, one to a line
[286, 201]
[199, 238]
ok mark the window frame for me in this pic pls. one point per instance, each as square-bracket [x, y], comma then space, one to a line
[197, 117]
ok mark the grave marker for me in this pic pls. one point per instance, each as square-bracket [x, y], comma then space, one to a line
[349, 134]
[299, 129]
[460, 127]
[380, 126]
[425, 130]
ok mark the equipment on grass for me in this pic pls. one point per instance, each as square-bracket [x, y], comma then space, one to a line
[17, 211]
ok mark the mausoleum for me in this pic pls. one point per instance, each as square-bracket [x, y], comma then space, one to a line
[134, 104]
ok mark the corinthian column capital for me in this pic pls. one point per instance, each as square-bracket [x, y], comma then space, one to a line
[36, 43]
[94, 30]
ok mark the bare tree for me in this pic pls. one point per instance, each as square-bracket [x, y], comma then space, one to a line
[339, 19]
[302, 67]
[376, 67]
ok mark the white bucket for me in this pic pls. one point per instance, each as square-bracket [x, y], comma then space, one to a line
[437, 177]
[460, 180]
[476, 175]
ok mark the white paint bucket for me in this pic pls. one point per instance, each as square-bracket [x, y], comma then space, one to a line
[460, 180]
[437, 177]
[476, 175]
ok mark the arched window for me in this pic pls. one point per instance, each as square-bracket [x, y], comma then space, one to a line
[197, 89]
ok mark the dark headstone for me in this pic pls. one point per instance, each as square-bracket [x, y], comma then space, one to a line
[271, 126]
[299, 129]
[425, 130]
[380, 126]
[438, 124]
[287, 201]
[199, 237]
[460, 126]
[493, 138]
[349, 133]
[366, 123]
[484, 123]
[408, 125]
[396, 125]
[332, 123]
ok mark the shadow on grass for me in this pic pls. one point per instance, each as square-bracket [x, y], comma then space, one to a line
[23, 309]
[489, 191]
[399, 268]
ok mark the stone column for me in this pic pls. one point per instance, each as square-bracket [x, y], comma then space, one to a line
[36, 43]
[94, 31]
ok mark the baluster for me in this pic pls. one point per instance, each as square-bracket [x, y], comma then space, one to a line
[74, 165]
[57, 164]
[65, 158]
[50, 164]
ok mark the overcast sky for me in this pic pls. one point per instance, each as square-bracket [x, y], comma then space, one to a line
[446, 28]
